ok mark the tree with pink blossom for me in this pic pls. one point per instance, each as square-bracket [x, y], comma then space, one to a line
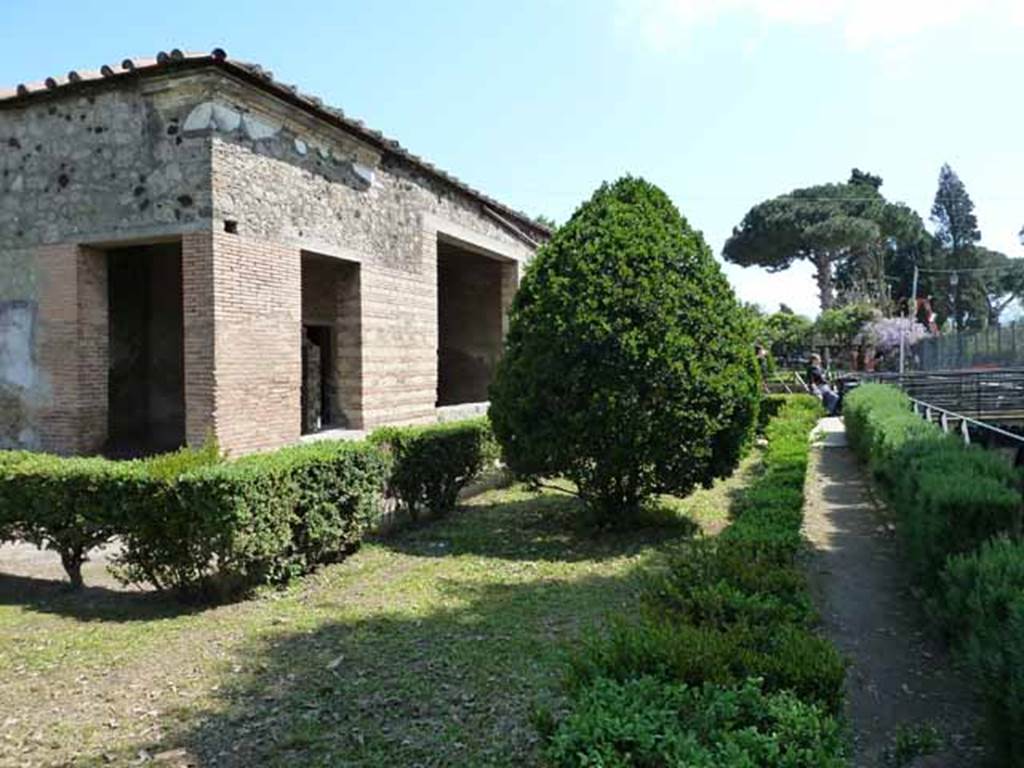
[886, 333]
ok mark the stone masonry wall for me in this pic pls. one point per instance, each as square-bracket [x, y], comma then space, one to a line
[105, 167]
[247, 183]
[302, 184]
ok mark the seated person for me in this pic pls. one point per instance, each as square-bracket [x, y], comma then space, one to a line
[818, 385]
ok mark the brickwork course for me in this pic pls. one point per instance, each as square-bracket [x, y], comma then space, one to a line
[287, 221]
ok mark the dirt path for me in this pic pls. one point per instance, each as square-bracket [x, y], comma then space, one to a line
[901, 681]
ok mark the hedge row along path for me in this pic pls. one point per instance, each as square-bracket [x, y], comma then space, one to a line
[901, 679]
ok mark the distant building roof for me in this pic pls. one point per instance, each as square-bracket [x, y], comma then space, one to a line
[256, 75]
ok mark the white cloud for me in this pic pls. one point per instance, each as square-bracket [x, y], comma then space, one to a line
[861, 23]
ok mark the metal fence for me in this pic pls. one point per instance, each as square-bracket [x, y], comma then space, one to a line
[990, 395]
[995, 347]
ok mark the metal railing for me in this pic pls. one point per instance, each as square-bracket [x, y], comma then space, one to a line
[986, 395]
[973, 431]
[1001, 346]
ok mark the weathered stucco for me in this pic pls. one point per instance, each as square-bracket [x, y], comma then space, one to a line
[105, 166]
[249, 183]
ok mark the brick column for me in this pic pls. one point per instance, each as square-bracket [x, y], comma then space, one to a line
[93, 350]
[257, 300]
[198, 313]
[55, 404]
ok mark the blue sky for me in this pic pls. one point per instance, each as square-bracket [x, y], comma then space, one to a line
[720, 102]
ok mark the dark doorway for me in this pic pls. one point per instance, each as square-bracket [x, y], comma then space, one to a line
[146, 408]
[469, 323]
[331, 394]
[317, 379]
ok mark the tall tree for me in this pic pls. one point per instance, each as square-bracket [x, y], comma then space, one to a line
[957, 233]
[825, 225]
[1002, 281]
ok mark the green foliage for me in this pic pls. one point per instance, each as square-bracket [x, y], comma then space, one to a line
[629, 366]
[840, 325]
[949, 498]
[981, 605]
[958, 507]
[768, 410]
[823, 224]
[786, 656]
[957, 234]
[714, 615]
[712, 582]
[911, 742]
[786, 334]
[650, 722]
[189, 521]
[223, 528]
[433, 463]
[69, 505]
[167, 466]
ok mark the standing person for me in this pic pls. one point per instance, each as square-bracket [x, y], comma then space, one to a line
[818, 384]
[763, 364]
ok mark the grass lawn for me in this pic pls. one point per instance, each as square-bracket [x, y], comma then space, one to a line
[429, 647]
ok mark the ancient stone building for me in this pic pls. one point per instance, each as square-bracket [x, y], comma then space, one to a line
[189, 247]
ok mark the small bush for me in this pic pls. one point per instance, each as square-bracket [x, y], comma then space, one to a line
[981, 605]
[169, 466]
[785, 656]
[432, 464]
[714, 615]
[223, 528]
[950, 513]
[68, 505]
[948, 497]
[650, 722]
[716, 583]
[978, 588]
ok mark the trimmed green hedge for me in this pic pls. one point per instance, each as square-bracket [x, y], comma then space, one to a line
[433, 463]
[650, 722]
[264, 518]
[190, 522]
[959, 513]
[722, 620]
[69, 505]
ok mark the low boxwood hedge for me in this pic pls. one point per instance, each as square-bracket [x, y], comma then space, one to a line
[959, 513]
[648, 721]
[432, 464]
[191, 522]
[69, 505]
[719, 621]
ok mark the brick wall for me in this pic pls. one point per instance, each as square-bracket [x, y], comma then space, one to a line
[198, 318]
[257, 336]
[70, 404]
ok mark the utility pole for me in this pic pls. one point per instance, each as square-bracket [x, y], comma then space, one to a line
[913, 319]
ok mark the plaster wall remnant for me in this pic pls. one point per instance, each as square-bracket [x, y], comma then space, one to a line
[246, 176]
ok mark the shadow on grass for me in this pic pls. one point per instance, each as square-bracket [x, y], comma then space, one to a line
[443, 663]
[535, 527]
[455, 686]
[89, 603]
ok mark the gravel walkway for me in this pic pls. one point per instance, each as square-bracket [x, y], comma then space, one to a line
[901, 679]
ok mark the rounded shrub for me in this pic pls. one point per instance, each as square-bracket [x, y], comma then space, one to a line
[629, 365]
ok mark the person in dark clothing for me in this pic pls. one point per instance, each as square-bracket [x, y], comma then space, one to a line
[818, 385]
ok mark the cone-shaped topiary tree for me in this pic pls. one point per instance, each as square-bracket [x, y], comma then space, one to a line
[629, 366]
